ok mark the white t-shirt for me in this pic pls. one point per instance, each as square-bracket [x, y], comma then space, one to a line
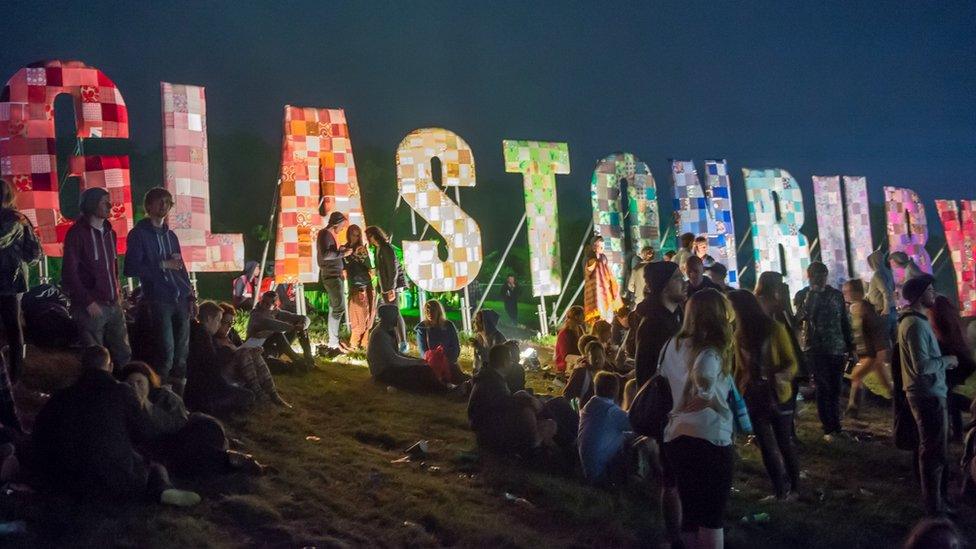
[710, 417]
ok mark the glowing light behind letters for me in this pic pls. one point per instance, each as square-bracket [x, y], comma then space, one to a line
[187, 175]
[908, 230]
[316, 158]
[461, 233]
[539, 162]
[777, 239]
[707, 211]
[959, 223]
[28, 149]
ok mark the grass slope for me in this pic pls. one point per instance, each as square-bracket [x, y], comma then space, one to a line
[334, 485]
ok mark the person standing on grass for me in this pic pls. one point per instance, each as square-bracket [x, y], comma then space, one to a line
[90, 276]
[881, 290]
[697, 363]
[686, 242]
[510, 295]
[153, 256]
[660, 316]
[697, 281]
[947, 326]
[362, 296]
[827, 340]
[330, 257]
[870, 332]
[601, 293]
[764, 369]
[391, 278]
[923, 370]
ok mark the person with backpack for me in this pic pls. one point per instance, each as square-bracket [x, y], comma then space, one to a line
[764, 370]
[90, 275]
[660, 315]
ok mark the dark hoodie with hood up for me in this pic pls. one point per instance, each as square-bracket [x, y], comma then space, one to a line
[244, 284]
[90, 271]
[381, 351]
[657, 323]
[148, 246]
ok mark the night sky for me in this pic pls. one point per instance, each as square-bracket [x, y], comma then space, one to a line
[886, 90]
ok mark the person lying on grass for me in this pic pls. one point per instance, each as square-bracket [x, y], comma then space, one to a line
[244, 366]
[388, 365]
[85, 438]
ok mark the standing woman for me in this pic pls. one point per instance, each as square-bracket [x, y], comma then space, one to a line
[362, 297]
[18, 248]
[697, 364]
[764, 369]
[774, 296]
[601, 294]
[391, 279]
[947, 326]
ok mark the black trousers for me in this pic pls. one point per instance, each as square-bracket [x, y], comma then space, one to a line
[419, 378]
[932, 423]
[280, 343]
[703, 472]
[13, 332]
[828, 372]
[775, 441]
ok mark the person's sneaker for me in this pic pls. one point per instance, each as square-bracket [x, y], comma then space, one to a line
[828, 438]
[179, 498]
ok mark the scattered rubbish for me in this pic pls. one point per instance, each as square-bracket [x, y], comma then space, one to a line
[519, 501]
[758, 518]
[313, 438]
[804, 475]
[404, 459]
[413, 526]
[434, 469]
[866, 493]
[13, 528]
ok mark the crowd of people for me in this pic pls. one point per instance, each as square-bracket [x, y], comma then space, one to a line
[657, 378]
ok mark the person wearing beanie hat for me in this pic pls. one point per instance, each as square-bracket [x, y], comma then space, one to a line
[923, 369]
[330, 259]
[660, 315]
[91, 279]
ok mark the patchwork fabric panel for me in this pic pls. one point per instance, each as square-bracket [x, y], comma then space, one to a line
[28, 149]
[609, 216]
[317, 168]
[959, 223]
[908, 231]
[776, 239]
[539, 162]
[416, 185]
[860, 242]
[833, 241]
[187, 174]
[707, 210]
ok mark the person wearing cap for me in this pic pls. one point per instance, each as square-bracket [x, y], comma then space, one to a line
[660, 315]
[923, 373]
[716, 272]
[90, 277]
[330, 256]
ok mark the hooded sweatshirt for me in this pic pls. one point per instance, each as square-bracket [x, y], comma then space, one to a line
[484, 342]
[90, 271]
[244, 284]
[657, 323]
[881, 288]
[381, 351]
[148, 246]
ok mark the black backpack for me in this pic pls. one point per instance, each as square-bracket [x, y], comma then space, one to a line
[650, 409]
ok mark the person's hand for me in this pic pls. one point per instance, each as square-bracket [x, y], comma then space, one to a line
[389, 296]
[951, 361]
[346, 252]
[94, 310]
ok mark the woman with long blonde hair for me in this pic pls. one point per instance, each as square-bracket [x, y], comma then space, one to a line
[434, 331]
[697, 363]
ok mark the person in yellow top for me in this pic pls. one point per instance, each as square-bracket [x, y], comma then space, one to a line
[765, 366]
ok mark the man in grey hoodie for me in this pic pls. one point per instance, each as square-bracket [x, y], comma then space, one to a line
[881, 289]
[923, 373]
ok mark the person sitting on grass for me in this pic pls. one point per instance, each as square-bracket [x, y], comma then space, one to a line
[486, 336]
[388, 365]
[206, 389]
[244, 366]
[567, 352]
[603, 331]
[435, 330]
[85, 437]
[191, 444]
[515, 372]
[580, 384]
[280, 328]
[605, 437]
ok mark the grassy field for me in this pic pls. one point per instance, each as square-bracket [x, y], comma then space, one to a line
[334, 484]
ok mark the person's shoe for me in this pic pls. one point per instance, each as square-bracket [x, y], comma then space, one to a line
[828, 438]
[179, 498]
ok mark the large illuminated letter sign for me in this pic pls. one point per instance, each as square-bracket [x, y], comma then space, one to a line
[28, 155]
[959, 223]
[776, 213]
[834, 244]
[707, 211]
[539, 162]
[908, 230]
[316, 158]
[187, 175]
[608, 212]
[461, 234]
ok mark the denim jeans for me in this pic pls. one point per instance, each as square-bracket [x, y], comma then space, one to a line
[337, 307]
[108, 329]
[828, 373]
[171, 338]
[932, 423]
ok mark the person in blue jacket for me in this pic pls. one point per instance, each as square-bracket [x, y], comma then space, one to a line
[435, 329]
[153, 256]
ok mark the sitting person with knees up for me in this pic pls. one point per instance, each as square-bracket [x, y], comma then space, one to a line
[206, 389]
[388, 365]
[280, 328]
[85, 437]
[244, 366]
[191, 444]
[580, 384]
[486, 336]
[434, 331]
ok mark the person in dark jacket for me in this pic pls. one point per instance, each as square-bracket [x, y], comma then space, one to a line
[947, 326]
[153, 256]
[391, 278]
[826, 340]
[330, 256]
[90, 277]
[435, 330]
[697, 281]
[245, 288]
[660, 315]
[510, 296]
[206, 389]
[19, 247]
[280, 328]
[85, 437]
[388, 365]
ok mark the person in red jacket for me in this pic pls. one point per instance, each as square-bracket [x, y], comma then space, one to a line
[90, 277]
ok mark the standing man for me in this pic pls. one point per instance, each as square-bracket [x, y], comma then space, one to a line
[330, 257]
[153, 256]
[826, 338]
[635, 284]
[90, 275]
[660, 315]
[510, 295]
[923, 370]
[697, 281]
